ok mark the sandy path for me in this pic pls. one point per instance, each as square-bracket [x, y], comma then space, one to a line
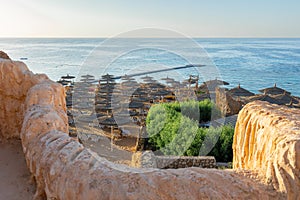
[15, 182]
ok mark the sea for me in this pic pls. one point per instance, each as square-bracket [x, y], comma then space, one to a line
[254, 63]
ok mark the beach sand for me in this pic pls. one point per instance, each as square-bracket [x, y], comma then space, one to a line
[16, 182]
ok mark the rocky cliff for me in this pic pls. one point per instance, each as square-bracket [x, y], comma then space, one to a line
[267, 140]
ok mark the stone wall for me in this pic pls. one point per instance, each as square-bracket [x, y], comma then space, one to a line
[175, 162]
[147, 159]
[267, 140]
[64, 169]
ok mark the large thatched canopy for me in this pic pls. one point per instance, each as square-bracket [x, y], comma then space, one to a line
[240, 92]
[274, 90]
[286, 98]
[267, 98]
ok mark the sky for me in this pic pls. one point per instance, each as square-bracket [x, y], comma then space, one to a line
[193, 18]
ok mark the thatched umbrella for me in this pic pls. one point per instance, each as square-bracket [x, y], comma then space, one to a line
[107, 76]
[64, 82]
[147, 77]
[135, 105]
[265, 97]
[167, 79]
[68, 77]
[111, 121]
[141, 99]
[127, 78]
[216, 82]
[124, 113]
[161, 93]
[274, 90]
[140, 93]
[286, 98]
[88, 76]
[128, 83]
[155, 85]
[240, 92]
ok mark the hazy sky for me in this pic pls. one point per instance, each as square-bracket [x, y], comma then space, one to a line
[195, 18]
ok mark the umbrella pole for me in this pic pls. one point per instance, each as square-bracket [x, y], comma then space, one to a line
[112, 138]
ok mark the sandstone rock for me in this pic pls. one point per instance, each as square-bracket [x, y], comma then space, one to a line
[15, 81]
[3, 55]
[267, 140]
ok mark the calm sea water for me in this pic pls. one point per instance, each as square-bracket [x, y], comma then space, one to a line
[254, 63]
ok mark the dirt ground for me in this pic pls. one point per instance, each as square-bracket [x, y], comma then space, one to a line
[15, 178]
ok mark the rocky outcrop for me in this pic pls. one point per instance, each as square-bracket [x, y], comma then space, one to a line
[15, 81]
[3, 55]
[64, 169]
[267, 140]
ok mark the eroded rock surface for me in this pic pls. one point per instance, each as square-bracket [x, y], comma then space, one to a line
[3, 55]
[267, 140]
[15, 81]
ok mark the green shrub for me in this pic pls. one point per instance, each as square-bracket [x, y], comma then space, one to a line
[173, 129]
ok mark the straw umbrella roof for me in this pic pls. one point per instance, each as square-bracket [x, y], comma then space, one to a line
[146, 77]
[107, 121]
[149, 81]
[240, 92]
[107, 106]
[267, 98]
[88, 76]
[64, 82]
[87, 119]
[274, 90]
[140, 93]
[155, 85]
[127, 78]
[134, 104]
[100, 115]
[104, 101]
[286, 98]
[104, 94]
[110, 121]
[161, 92]
[170, 81]
[167, 79]
[87, 80]
[216, 82]
[125, 113]
[129, 84]
[107, 76]
[68, 77]
[140, 99]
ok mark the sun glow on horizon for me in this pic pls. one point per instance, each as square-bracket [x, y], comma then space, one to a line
[92, 18]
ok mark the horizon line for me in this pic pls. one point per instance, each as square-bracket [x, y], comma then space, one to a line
[138, 37]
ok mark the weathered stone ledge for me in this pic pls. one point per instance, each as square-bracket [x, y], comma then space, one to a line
[267, 140]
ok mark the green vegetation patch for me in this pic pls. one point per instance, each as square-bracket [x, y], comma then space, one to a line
[173, 129]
